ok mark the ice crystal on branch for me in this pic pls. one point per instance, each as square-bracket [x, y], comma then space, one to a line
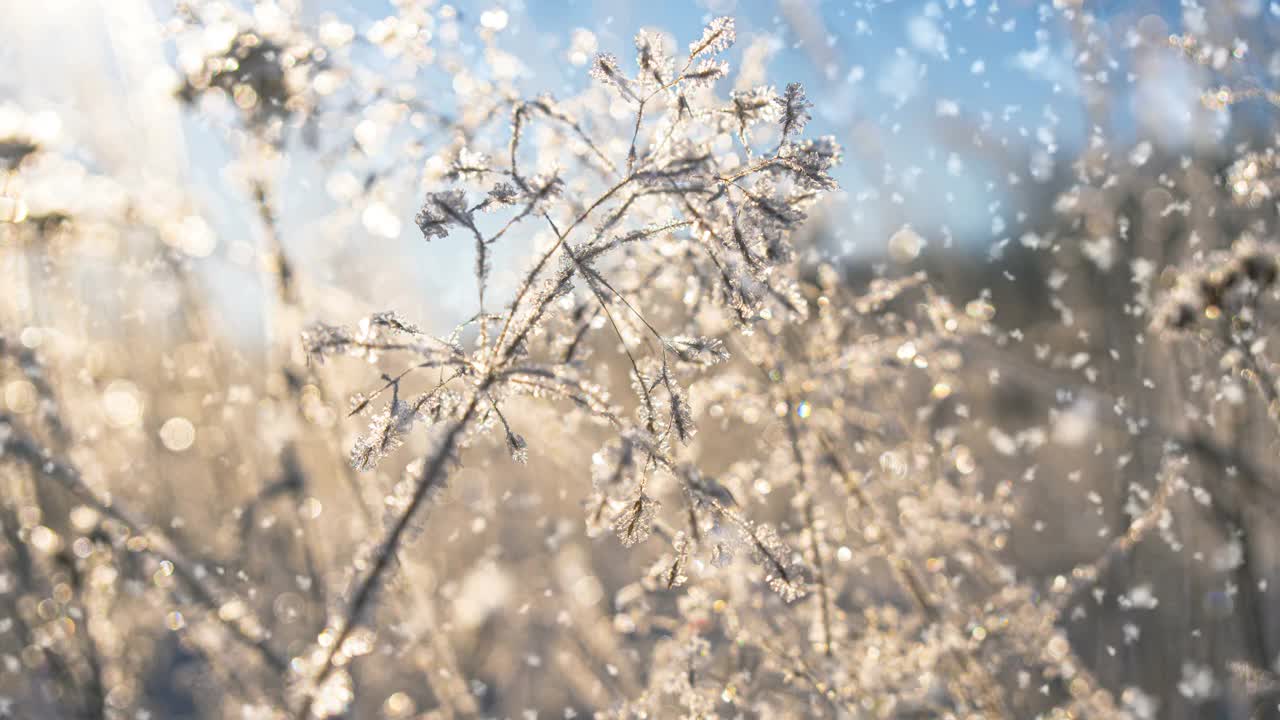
[707, 72]
[616, 468]
[681, 413]
[781, 572]
[793, 110]
[605, 69]
[504, 193]
[442, 209]
[389, 321]
[701, 351]
[634, 522]
[321, 340]
[656, 66]
[811, 163]
[518, 448]
[386, 433]
[670, 571]
[716, 37]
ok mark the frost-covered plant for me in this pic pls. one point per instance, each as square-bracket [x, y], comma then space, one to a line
[688, 224]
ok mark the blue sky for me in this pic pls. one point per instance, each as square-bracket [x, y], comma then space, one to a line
[904, 86]
[901, 85]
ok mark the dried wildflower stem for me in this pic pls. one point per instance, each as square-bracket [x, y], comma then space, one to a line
[635, 134]
[27, 450]
[283, 276]
[432, 476]
[497, 359]
[775, 563]
[810, 521]
[280, 268]
[903, 569]
[794, 662]
[990, 696]
[447, 689]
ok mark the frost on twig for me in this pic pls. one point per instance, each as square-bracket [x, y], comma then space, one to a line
[635, 522]
[440, 211]
[647, 250]
[793, 110]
